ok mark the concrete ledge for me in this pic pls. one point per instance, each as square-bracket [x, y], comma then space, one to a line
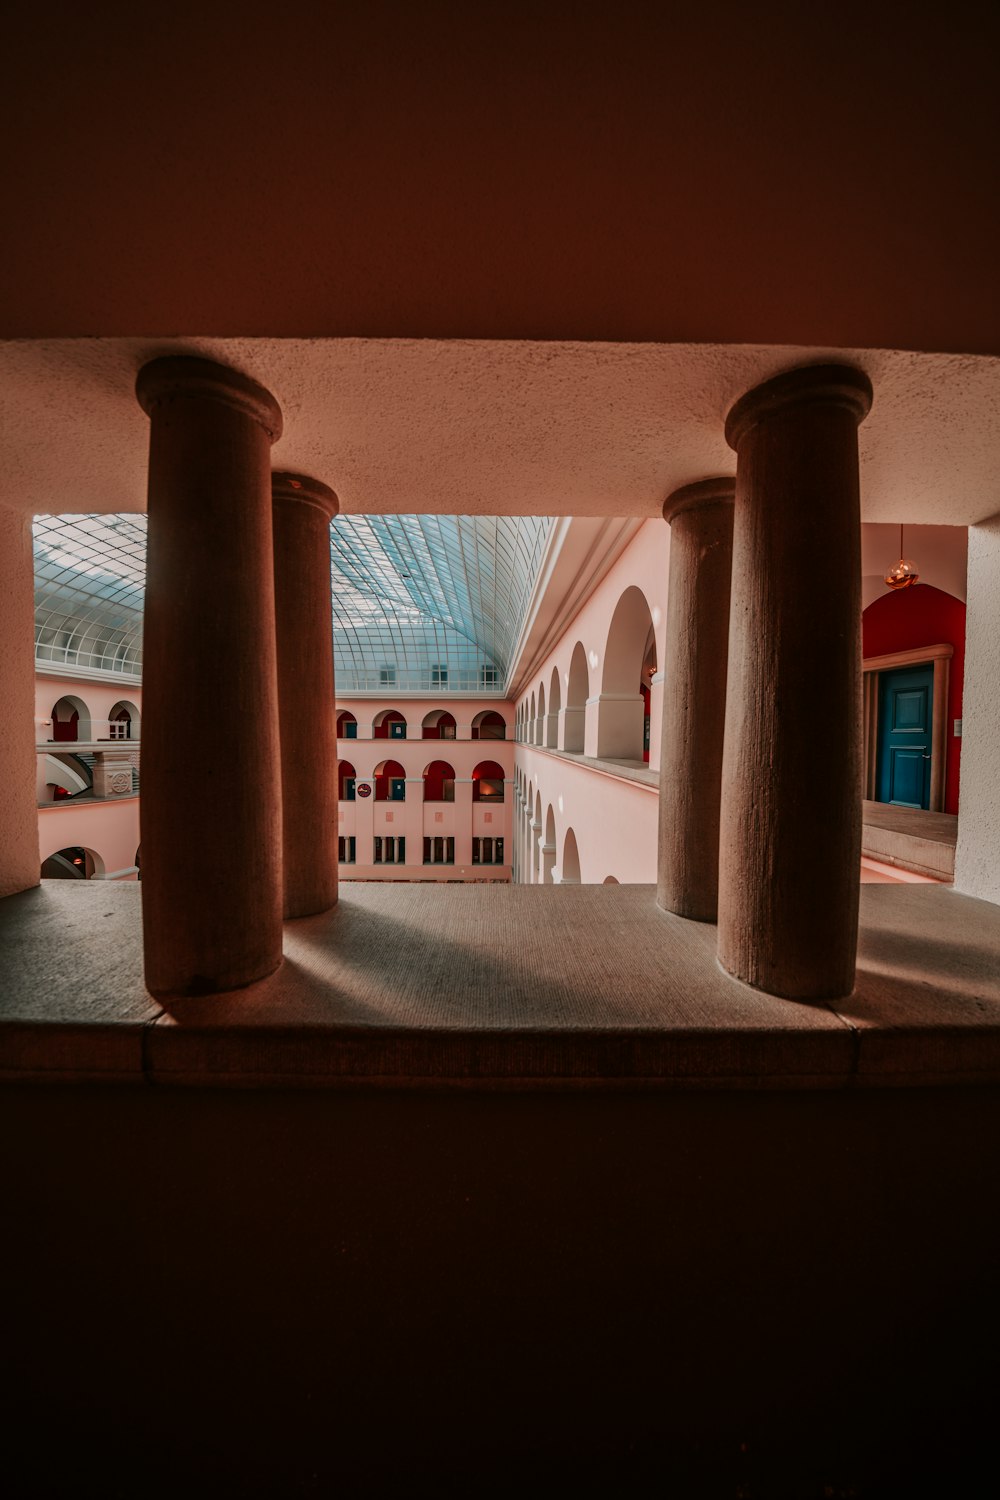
[911, 839]
[506, 987]
[622, 770]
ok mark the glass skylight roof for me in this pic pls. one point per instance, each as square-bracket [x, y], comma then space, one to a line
[420, 603]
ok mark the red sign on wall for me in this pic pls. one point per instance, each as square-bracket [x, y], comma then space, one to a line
[363, 789]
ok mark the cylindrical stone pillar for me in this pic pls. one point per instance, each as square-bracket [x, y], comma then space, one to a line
[210, 813]
[790, 850]
[694, 697]
[303, 509]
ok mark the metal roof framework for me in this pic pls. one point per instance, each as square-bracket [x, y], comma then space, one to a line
[420, 603]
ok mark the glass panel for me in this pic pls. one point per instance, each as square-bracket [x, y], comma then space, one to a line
[418, 601]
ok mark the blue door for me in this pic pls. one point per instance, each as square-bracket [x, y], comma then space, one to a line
[905, 703]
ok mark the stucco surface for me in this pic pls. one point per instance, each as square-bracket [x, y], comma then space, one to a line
[18, 823]
[486, 427]
[977, 865]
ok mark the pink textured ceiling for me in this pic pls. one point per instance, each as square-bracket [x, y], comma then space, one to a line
[486, 427]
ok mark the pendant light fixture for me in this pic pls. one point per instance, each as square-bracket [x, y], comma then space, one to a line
[904, 572]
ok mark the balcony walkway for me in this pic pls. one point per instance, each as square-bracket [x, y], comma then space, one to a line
[914, 840]
[511, 986]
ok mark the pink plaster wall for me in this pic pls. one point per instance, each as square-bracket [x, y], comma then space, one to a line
[614, 821]
[110, 829]
[18, 826]
[99, 697]
[463, 820]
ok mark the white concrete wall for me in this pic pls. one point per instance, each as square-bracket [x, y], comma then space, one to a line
[977, 859]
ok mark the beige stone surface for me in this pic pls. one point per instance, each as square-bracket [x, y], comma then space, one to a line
[910, 838]
[470, 986]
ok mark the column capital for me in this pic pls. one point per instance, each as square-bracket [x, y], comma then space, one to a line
[719, 491]
[180, 375]
[809, 385]
[302, 489]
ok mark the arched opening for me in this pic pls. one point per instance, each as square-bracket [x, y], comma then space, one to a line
[390, 782]
[530, 727]
[549, 847]
[439, 782]
[123, 721]
[540, 721]
[609, 880]
[487, 782]
[389, 725]
[71, 720]
[347, 725]
[439, 724]
[489, 725]
[570, 871]
[72, 864]
[555, 703]
[577, 693]
[67, 776]
[622, 712]
[346, 777]
[914, 659]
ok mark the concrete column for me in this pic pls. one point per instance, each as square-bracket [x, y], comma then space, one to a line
[550, 733]
[790, 851]
[694, 697]
[572, 729]
[211, 920]
[536, 838]
[302, 511]
[548, 854]
[19, 861]
[112, 774]
[614, 726]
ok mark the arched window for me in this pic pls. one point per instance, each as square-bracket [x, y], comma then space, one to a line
[540, 721]
[551, 738]
[439, 724]
[489, 725]
[389, 725]
[577, 693]
[569, 873]
[439, 782]
[72, 864]
[548, 852]
[123, 722]
[488, 782]
[346, 775]
[623, 711]
[347, 725]
[71, 720]
[390, 782]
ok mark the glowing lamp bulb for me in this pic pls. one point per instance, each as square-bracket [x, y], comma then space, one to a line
[902, 575]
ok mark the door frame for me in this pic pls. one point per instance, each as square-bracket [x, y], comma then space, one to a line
[938, 657]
